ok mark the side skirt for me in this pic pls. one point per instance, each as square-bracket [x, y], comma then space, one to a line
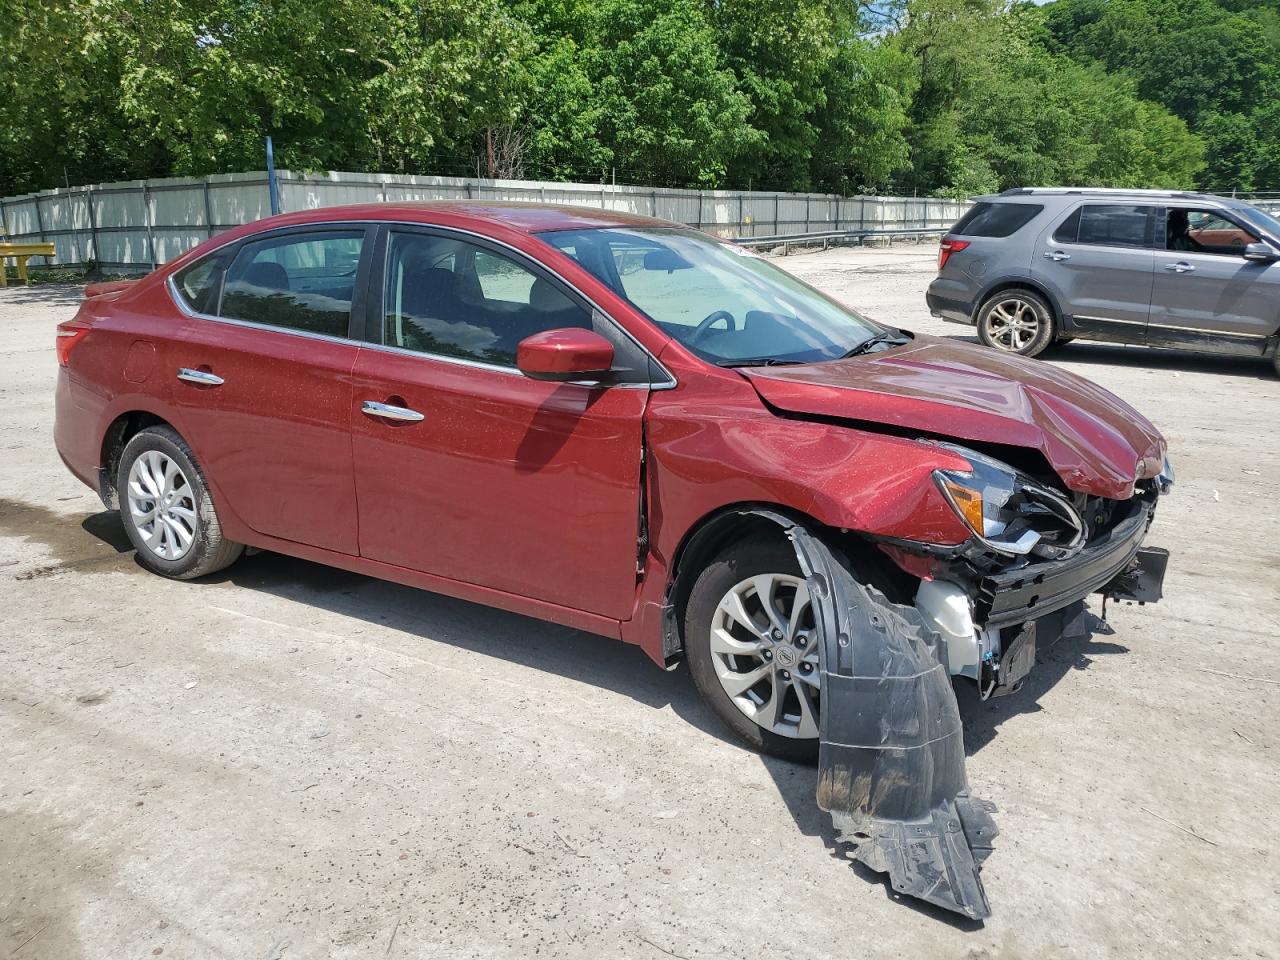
[1170, 338]
[489, 597]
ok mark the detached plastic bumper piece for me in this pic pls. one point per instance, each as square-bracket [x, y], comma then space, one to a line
[891, 765]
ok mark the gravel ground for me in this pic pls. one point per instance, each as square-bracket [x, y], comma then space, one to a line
[289, 761]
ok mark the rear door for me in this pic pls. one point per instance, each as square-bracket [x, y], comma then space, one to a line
[480, 474]
[1204, 284]
[264, 383]
[1097, 261]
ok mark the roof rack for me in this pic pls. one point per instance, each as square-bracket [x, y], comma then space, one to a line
[1109, 191]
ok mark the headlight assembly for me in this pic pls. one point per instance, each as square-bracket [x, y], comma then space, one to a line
[1008, 511]
[1164, 482]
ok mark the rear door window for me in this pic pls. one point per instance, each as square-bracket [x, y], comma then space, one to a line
[302, 282]
[993, 219]
[198, 283]
[1108, 225]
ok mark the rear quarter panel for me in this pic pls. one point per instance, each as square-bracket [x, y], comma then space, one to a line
[117, 368]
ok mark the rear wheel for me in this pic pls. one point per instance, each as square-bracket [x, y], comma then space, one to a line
[166, 508]
[1016, 321]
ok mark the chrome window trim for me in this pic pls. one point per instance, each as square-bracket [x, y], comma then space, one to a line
[184, 308]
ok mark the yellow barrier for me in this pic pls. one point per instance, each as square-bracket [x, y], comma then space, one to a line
[20, 252]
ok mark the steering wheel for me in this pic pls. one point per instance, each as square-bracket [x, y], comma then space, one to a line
[703, 328]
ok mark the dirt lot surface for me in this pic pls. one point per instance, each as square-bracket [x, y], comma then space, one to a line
[287, 761]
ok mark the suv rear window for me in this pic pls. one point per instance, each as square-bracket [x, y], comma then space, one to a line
[987, 219]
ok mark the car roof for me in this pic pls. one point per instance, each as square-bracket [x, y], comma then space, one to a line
[514, 215]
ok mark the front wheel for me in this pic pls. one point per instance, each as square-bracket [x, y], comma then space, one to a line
[752, 646]
[1016, 321]
[166, 508]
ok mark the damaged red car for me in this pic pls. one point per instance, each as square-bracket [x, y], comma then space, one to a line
[629, 427]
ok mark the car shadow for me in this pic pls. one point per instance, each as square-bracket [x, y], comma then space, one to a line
[603, 662]
[622, 668]
[981, 720]
[1133, 355]
[1106, 354]
[46, 294]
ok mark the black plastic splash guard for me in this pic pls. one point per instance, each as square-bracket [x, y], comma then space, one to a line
[891, 767]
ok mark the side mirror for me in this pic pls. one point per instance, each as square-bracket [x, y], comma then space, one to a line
[1261, 253]
[566, 354]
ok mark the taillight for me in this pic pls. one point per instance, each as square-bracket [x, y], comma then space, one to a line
[69, 334]
[947, 248]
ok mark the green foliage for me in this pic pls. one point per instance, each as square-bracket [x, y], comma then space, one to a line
[1001, 105]
[950, 97]
[1214, 65]
[669, 107]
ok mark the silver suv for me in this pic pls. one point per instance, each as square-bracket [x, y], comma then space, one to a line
[1185, 271]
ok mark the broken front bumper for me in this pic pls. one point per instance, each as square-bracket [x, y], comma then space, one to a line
[891, 759]
[1028, 593]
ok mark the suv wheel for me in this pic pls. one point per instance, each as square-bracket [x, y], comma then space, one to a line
[166, 508]
[1016, 321]
[752, 646]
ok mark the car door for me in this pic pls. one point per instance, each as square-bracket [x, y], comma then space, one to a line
[264, 383]
[1098, 262]
[477, 473]
[1204, 284]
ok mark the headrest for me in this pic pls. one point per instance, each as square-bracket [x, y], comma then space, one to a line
[544, 296]
[266, 275]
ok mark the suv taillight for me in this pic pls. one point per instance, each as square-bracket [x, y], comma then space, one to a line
[70, 333]
[946, 248]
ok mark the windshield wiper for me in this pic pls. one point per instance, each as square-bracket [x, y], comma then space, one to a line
[890, 338]
[759, 362]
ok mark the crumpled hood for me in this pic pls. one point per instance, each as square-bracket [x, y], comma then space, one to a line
[1096, 442]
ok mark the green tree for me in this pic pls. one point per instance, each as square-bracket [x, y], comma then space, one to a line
[1216, 69]
[998, 107]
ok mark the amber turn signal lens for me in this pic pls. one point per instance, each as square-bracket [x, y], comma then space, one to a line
[968, 502]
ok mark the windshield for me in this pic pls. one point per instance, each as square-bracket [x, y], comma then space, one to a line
[723, 302]
[1260, 218]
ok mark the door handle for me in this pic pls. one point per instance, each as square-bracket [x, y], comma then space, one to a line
[202, 377]
[1180, 267]
[389, 412]
[1056, 255]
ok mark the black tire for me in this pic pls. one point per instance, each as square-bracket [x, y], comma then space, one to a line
[209, 551]
[737, 563]
[1275, 361]
[998, 315]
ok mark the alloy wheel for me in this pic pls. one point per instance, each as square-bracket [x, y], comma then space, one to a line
[1013, 324]
[162, 505]
[764, 646]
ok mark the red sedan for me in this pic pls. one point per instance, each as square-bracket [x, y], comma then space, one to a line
[596, 419]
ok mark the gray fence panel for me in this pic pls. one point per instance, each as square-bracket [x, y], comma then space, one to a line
[129, 226]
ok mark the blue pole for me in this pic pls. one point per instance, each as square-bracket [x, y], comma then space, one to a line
[272, 189]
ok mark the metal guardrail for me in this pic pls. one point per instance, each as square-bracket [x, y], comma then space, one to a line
[829, 237]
